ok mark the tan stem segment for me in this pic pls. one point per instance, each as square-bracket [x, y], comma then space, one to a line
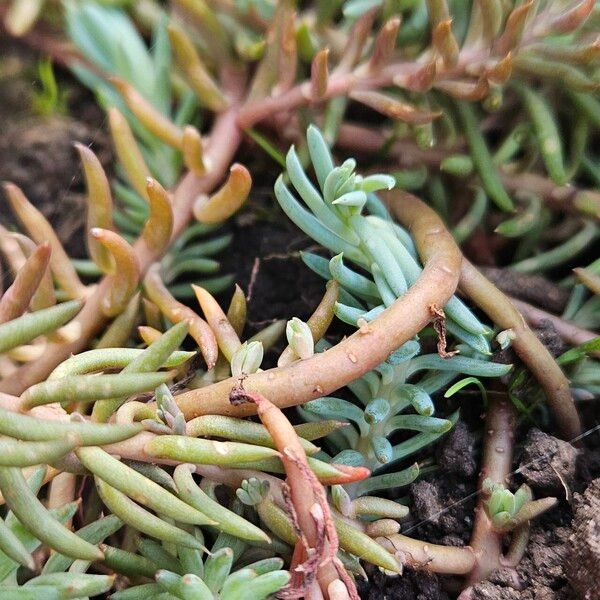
[328, 371]
[530, 349]
[62, 491]
[435, 558]
[497, 460]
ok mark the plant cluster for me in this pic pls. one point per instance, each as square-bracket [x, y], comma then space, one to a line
[128, 456]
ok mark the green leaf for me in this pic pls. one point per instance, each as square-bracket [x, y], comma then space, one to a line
[89, 388]
[376, 411]
[200, 451]
[94, 533]
[110, 358]
[319, 154]
[31, 325]
[127, 563]
[459, 385]
[135, 485]
[217, 569]
[151, 359]
[142, 520]
[314, 201]
[355, 282]
[29, 541]
[74, 585]
[28, 509]
[482, 159]
[388, 481]
[25, 427]
[228, 521]
[579, 352]
[13, 548]
[267, 146]
[335, 408]
[15, 453]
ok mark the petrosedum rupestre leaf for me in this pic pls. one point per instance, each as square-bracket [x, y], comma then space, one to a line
[27, 327]
[37, 519]
[33, 429]
[140, 488]
[90, 388]
[142, 520]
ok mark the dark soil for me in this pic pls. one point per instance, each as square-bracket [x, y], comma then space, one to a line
[265, 257]
[443, 509]
[37, 153]
[548, 465]
[456, 452]
[411, 585]
[583, 553]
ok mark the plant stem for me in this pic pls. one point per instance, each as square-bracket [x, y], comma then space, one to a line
[62, 491]
[435, 558]
[361, 352]
[309, 501]
[530, 349]
[497, 460]
[343, 81]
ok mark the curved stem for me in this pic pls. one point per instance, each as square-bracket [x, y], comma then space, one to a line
[435, 558]
[319, 538]
[361, 352]
[530, 349]
[62, 491]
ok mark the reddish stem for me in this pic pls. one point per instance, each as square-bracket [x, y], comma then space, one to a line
[318, 544]
[496, 465]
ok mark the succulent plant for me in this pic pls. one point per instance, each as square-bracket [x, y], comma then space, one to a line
[211, 578]
[508, 510]
[112, 449]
